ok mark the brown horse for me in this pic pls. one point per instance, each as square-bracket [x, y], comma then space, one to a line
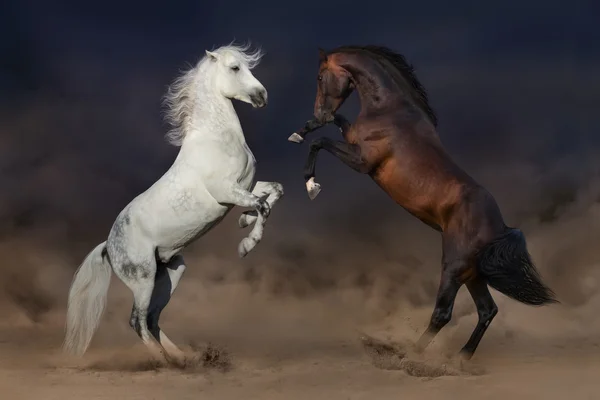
[394, 140]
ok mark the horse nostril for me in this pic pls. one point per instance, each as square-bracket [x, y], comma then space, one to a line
[259, 98]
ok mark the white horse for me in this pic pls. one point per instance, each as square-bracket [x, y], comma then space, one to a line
[213, 172]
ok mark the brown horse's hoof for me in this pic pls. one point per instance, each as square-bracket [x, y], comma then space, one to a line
[465, 355]
[295, 138]
[313, 188]
[417, 349]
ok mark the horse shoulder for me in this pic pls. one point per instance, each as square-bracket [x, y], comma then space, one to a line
[373, 138]
[235, 162]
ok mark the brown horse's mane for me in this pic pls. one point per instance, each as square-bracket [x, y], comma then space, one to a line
[402, 66]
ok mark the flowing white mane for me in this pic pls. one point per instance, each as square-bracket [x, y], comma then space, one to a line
[182, 94]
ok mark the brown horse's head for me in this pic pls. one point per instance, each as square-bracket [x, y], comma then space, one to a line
[334, 85]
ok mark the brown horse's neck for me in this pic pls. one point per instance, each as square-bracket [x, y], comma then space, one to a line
[381, 90]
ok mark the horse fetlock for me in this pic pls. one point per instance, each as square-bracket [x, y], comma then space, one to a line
[263, 207]
[313, 188]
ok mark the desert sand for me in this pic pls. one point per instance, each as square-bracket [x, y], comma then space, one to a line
[297, 351]
[287, 322]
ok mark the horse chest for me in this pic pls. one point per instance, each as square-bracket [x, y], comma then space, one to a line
[246, 167]
[232, 161]
[240, 165]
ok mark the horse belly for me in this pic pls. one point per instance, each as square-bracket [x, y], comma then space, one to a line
[181, 228]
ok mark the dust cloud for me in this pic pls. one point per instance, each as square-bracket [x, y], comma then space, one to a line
[325, 269]
[327, 272]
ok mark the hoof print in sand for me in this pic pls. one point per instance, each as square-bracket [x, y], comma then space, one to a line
[129, 363]
[200, 358]
[383, 355]
[211, 357]
[393, 356]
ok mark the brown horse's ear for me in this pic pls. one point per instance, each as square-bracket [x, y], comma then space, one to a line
[322, 55]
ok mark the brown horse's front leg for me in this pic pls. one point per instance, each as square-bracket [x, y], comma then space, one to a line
[341, 122]
[311, 125]
[348, 153]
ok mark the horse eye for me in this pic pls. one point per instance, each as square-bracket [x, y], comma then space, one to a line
[320, 78]
[235, 69]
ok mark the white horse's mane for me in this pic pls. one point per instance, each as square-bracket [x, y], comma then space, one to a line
[180, 98]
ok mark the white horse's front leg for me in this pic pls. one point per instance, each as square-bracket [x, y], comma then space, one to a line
[270, 191]
[233, 193]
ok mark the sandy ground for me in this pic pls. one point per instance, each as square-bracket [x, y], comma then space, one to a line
[333, 377]
[293, 348]
[288, 321]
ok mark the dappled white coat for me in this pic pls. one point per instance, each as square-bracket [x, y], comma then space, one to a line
[213, 168]
[213, 172]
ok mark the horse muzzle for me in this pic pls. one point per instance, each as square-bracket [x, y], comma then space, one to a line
[259, 98]
[323, 117]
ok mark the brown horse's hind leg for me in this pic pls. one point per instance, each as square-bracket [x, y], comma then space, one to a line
[486, 310]
[450, 283]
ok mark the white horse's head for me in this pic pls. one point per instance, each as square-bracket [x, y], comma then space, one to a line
[222, 72]
[233, 77]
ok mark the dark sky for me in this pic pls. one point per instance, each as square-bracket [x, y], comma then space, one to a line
[516, 86]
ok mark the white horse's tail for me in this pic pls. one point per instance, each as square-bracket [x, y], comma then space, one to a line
[87, 300]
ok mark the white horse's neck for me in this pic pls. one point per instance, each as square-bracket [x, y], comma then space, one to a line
[213, 115]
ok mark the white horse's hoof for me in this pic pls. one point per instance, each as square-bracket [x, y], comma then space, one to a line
[178, 361]
[313, 188]
[243, 221]
[296, 138]
[246, 219]
[245, 246]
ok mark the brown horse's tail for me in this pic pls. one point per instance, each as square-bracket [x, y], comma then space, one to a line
[506, 265]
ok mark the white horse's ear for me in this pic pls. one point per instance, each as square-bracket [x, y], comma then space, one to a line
[213, 56]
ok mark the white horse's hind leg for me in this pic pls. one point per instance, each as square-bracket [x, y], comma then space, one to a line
[273, 191]
[165, 283]
[139, 278]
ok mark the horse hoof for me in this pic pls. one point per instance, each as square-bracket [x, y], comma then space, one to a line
[243, 221]
[246, 220]
[245, 246]
[296, 138]
[313, 188]
[178, 362]
[464, 356]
